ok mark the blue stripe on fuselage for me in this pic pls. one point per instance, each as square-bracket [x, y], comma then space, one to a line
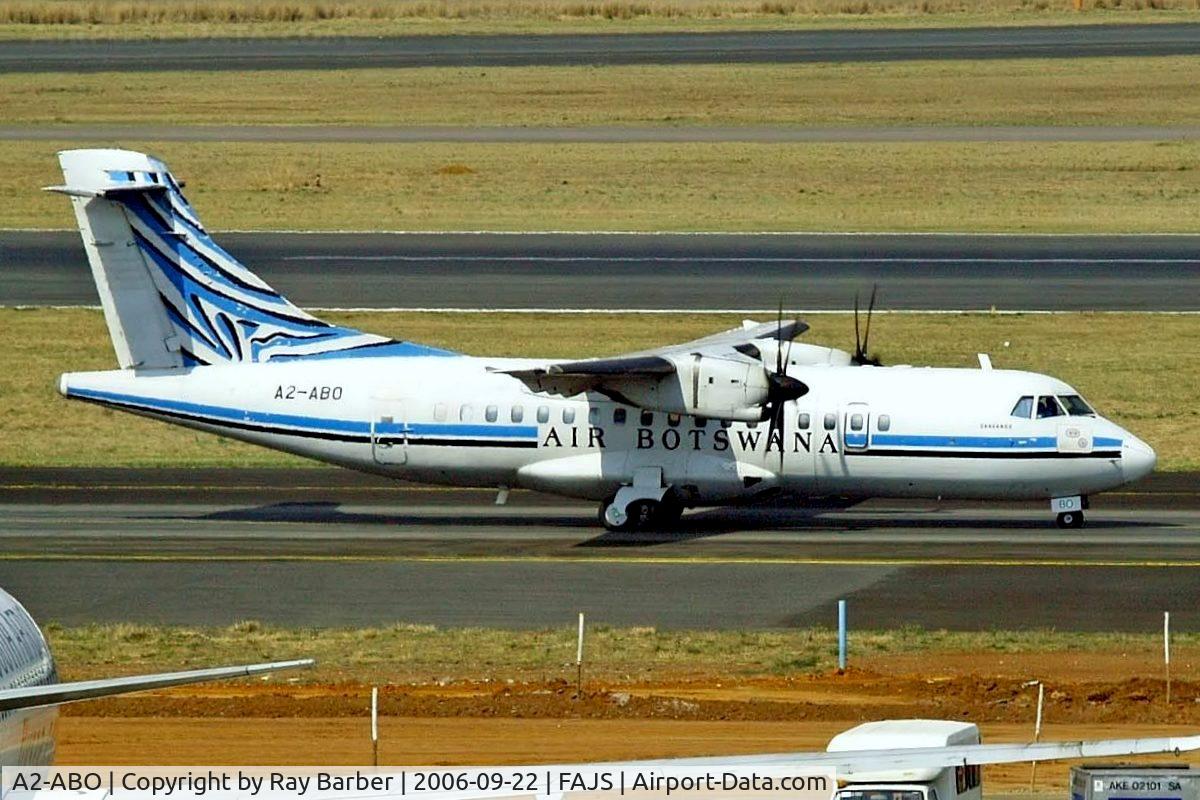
[979, 442]
[219, 414]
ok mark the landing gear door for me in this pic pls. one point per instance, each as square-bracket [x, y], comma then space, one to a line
[1074, 437]
[856, 427]
[389, 433]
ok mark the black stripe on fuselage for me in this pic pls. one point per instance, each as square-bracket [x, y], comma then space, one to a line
[1007, 454]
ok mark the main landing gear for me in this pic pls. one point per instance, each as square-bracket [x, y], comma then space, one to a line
[1069, 511]
[644, 505]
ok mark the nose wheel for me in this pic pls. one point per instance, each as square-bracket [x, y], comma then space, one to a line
[1069, 510]
[1070, 519]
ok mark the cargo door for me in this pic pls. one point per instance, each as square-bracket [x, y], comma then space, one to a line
[389, 432]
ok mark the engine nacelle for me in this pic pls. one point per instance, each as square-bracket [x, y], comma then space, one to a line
[803, 355]
[704, 386]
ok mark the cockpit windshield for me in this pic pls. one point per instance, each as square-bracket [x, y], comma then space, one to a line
[1076, 406]
[1024, 407]
[880, 794]
[1047, 406]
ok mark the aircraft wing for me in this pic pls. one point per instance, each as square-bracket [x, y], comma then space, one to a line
[848, 762]
[723, 376]
[53, 694]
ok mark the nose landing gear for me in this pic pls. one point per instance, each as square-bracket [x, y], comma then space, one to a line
[1069, 511]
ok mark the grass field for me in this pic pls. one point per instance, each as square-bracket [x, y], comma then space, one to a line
[1090, 91]
[1046, 187]
[1137, 369]
[167, 18]
[424, 653]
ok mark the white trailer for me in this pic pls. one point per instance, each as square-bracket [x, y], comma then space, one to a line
[950, 783]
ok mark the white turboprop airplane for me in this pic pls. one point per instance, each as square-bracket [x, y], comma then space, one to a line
[737, 416]
[30, 692]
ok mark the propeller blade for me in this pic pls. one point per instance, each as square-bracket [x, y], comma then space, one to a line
[857, 341]
[779, 339]
[870, 310]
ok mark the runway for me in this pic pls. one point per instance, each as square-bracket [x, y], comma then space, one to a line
[667, 271]
[595, 134]
[356, 553]
[599, 49]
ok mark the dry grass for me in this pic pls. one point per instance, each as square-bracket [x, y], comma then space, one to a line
[159, 18]
[1055, 187]
[1137, 369]
[405, 653]
[1091, 91]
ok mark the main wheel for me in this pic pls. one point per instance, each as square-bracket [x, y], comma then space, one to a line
[643, 513]
[608, 516]
[1070, 519]
[669, 510]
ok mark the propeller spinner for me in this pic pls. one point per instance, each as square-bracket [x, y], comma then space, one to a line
[781, 387]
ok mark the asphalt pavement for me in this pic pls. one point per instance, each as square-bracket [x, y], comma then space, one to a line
[667, 271]
[790, 46]
[536, 564]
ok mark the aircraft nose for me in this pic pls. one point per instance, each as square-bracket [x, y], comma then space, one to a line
[1137, 458]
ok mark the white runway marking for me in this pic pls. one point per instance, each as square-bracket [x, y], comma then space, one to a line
[747, 259]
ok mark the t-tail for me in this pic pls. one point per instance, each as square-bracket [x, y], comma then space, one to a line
[172, 297]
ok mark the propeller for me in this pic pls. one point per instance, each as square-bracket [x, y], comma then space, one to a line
[781, 388]
[862, 356]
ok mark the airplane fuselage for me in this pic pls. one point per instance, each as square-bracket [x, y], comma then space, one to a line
[26, 734]
[859, 432]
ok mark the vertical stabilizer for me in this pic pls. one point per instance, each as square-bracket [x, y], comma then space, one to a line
[172, 297]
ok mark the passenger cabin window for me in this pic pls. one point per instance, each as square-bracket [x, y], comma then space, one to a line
[1024, 407]
[673, 420]
[491, 413]
[726, 423]
[856, 422]
[543, 414]
[830, 421]
[803, 421]
[884, 422]
[1047, 406]
[619, 416]
[568, 416]
[439, 412]
[465, 412]
[593, 415]
[700, 422]
[517, 414]
[647, 419]
[1076, 406]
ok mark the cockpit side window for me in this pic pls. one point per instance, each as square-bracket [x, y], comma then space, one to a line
[1024, 407]
[1047, 406]
[1076, 406]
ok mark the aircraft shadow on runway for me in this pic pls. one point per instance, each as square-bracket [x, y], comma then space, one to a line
[694, 525]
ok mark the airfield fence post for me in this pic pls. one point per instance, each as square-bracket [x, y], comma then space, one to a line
[1167, 651]
[1037, 732]
[579, 659]
[375, 726]
[841, 635]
